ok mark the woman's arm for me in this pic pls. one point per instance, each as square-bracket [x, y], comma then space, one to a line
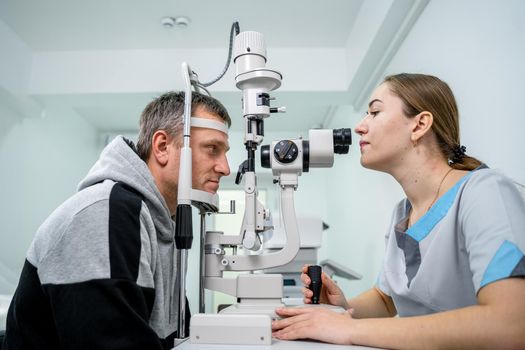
[497, 322]
[372, 303]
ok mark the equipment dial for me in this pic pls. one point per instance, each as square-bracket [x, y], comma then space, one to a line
[286, 151]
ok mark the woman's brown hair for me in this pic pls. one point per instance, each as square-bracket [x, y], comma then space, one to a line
[419, 93]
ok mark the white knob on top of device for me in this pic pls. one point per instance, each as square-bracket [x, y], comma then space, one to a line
[249, 52]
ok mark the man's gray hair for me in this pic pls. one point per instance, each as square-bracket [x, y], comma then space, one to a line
[166, 113]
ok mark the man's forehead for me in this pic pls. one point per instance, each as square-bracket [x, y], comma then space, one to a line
[203, 112]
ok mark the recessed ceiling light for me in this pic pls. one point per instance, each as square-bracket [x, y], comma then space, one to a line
[172, 22]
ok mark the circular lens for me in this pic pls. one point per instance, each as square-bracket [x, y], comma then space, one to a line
[342, 136]
[341, 149]
[265, 156]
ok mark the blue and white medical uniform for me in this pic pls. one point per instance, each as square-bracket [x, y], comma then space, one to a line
[472, 236]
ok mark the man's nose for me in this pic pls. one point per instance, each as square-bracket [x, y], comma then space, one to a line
[222, 166]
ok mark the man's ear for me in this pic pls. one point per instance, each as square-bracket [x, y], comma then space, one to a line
[159, 147]
[422, 123]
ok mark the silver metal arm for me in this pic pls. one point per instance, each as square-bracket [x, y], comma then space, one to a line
[284, 256]
[253, 221]
[217, 263]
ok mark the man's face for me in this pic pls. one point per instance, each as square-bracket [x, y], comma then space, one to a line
[209, 147]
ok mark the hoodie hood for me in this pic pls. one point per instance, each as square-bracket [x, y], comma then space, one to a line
[120, 163]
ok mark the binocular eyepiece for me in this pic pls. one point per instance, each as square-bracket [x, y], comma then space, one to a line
[301, 155]
[342, 140]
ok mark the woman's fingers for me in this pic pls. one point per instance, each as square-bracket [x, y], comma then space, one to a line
[307, 292]
[298, 330]
[305, 279]
[292, 315]
[313, 323]
[305, 268]
[292, 311]
[328, 282]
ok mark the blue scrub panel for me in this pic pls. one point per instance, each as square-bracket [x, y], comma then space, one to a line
[507, 258]
[473, 235]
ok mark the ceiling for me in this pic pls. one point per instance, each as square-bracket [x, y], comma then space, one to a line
[135, 24]
[105, 59]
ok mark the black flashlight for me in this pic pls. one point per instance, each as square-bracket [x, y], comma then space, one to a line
[314, 272]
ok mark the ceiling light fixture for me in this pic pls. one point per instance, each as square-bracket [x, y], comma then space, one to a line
[172, 22]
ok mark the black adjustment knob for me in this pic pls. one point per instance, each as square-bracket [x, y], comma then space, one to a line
[265, 156]
[286, 151]
[184, 227]
[316, 284]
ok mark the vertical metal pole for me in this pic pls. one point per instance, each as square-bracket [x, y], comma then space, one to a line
[182, 300]
[184, 230]
[202, 267]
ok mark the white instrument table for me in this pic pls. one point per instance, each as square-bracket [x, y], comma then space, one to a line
[276, 345]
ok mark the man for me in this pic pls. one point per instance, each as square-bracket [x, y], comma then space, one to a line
[101, 272]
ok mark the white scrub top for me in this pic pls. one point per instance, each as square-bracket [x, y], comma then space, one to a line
[472, 236]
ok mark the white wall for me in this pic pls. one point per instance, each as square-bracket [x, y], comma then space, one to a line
[43, 156]
[15, 61]
[478, 47]
[42, 162]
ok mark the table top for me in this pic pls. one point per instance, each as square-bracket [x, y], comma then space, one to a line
[276, 345]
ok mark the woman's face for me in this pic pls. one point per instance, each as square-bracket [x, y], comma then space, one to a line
[385, 132]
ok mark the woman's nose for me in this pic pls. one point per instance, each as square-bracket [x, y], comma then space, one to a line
[360, 128]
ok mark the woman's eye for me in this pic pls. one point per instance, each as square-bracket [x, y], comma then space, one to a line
[373, 114]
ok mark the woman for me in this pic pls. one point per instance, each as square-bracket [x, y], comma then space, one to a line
[454, 265]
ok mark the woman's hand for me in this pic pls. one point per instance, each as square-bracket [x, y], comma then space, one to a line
[330, 292]
[316, 323]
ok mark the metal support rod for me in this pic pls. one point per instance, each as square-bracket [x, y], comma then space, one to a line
[202, 266]
[182, 300]
[184, 197]
[186, 72]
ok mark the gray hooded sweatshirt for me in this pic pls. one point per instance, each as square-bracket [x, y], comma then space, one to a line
[101, 271]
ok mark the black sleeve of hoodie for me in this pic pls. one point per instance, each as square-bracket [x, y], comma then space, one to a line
[110, 313]
[103, 314]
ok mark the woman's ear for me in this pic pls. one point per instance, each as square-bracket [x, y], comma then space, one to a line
[422, 123]
[159, 147]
